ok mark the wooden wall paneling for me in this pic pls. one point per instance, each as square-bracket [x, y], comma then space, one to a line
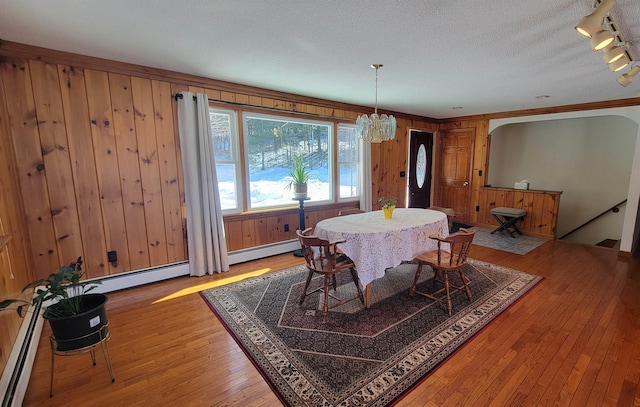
[274, 227]
[168, 163]
[16, 78]
[490, 204]
[537, 220]
[81, 152]
[550, 208]
[248, 233]
[129, 169]
[149, 169]
[16, 263]
[527, 205]
[56, 159]
[106, 161]
[261, 231]
[235, 236]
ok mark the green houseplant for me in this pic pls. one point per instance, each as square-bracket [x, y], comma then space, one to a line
[298, 177]
[77, 319]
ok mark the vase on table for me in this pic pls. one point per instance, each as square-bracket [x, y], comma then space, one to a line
[388, 212]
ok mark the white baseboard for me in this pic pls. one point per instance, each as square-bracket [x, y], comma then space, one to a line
[15, 377]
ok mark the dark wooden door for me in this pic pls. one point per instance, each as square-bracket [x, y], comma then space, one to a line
[420, 163]
[455, 156]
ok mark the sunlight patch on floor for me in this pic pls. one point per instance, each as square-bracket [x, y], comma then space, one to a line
[212, 284]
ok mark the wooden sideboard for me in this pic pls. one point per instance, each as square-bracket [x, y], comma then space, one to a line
[541, 206]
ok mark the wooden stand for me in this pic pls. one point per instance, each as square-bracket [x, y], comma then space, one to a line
[298, 252]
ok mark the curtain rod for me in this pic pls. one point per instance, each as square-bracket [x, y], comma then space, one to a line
[273, 109]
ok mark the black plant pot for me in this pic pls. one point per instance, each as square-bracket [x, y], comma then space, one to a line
[81, 330]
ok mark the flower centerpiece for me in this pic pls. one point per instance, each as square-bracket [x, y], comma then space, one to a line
[388, 205]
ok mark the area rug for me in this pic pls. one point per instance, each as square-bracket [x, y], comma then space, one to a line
[502, 241]
[359, 357]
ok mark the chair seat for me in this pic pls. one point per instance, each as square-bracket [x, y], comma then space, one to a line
[431, 258]
[510, 212]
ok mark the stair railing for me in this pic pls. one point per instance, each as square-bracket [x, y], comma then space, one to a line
[613, 209]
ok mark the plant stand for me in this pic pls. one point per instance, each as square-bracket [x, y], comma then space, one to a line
[298, 252]
[104, 337]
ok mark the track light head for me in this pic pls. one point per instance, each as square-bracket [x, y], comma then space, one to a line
[619, 64]
[627, 78]
[591, 24]
[601, 39]
[612, 53]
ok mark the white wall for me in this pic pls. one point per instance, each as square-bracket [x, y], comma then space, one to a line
[589, 159]
[633, 194]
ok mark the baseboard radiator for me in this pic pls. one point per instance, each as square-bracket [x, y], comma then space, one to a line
[15, 378]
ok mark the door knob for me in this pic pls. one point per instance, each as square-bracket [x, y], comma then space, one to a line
[465, 184]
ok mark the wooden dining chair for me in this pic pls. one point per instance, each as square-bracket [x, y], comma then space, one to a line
[322, 258]
[350, 211]
[451, 255]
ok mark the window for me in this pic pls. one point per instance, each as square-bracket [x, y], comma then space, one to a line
[349, 147]
[224, 135]
[270, 143]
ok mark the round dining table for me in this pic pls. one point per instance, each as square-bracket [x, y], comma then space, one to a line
[376, 244]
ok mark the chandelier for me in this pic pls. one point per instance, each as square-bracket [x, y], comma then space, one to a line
[374, 128]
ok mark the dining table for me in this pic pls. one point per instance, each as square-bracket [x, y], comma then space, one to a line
[375, 243]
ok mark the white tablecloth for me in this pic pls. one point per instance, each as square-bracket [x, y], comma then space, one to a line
[375, 243]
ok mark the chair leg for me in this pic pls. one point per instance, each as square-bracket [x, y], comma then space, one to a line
[412, 290]
[466, 286]
[446, 286]
[325, 303]
[306, 286]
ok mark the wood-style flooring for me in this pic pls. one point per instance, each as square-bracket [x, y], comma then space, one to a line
[573, 340]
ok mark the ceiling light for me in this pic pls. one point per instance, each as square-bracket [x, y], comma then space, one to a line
[543, 97]
[592, 23]
[601, 39]
[619, 64]
[627, 78]
[376, 129]
[612, 53]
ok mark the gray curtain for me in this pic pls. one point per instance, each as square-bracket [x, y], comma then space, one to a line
[205, 229]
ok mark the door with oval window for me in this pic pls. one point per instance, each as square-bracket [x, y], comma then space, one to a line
[420, 160]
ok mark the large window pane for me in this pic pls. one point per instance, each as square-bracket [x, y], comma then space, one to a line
[348, 161]
[270, 144]
[224, 136]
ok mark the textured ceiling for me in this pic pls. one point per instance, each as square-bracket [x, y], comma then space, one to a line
[483, 56]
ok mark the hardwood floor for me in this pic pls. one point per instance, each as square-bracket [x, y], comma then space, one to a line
[573, 340]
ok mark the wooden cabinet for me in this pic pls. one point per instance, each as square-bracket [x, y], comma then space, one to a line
[541, 206]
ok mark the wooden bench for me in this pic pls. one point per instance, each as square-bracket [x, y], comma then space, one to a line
[506, 218]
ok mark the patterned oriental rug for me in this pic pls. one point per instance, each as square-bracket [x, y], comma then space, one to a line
[358, 357]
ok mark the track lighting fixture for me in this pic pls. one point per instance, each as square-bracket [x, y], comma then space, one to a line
[627, 78]
[591, 24]
[605, 35]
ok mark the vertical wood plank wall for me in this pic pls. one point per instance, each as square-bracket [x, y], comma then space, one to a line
[15, 254]
[98, 159]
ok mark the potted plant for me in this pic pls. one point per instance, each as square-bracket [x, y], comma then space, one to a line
[298, 177]
[77, 319]
[388, 205]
